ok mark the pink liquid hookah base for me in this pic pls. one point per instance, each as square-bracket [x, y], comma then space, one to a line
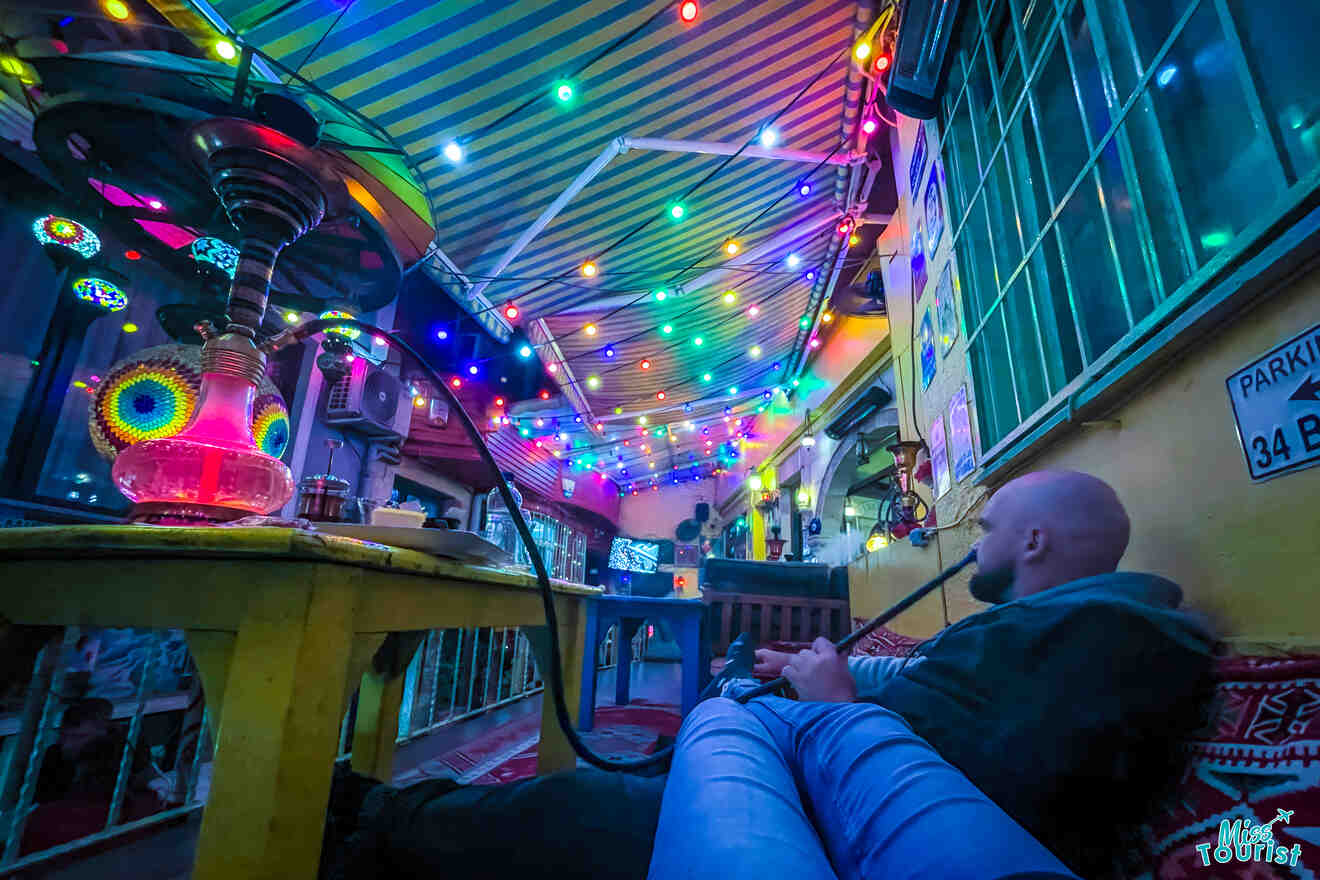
[212, 469]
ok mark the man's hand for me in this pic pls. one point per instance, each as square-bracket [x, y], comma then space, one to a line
[771, 663]
[821, 674]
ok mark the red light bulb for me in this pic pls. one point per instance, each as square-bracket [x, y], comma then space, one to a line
[545, 395]
[499, 401]
[659, 395]
[882, 64]
[132, 255]
[456, 382]
[511, 312]
[688, 11]
[645, 365]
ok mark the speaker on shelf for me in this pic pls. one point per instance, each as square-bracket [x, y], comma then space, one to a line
[702, 512]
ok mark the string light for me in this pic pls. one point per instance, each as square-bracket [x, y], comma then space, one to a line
[659, 395]
[473, 369]
[862, 50]
[660, 295]
[730, 297]
[846, 226]
[853, 240]
[511, 312]
[421, 401]
[609, 351]
[826, 317]
[769, 137]
[804, 189]
[731, 247]
[688, 11]
[815, 343]
[545, 395]
[456, 382]
[589, 269]
[291, 317]
[590, 329]
[753, 311]
[698, 341]
[524, 351]
[645, 364]
[667, 329]
[564, 92]
[705, 377]
[869, 125]
[225, 50]
[882, 64]
[793, 261]
[442, 335]
[593, 382]
[676, 211]
[804, 322]
[754, 351]
[453, 152]
[130, 327]
[552, 367]
[811, 276]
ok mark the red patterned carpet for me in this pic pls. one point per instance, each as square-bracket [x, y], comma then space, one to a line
[508, 753]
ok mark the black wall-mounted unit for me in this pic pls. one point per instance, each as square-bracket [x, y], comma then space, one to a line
[921, 56]
[866, 406]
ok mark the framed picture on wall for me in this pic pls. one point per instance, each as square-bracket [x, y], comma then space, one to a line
[945, 314]
[939, 457]
[934, 211]
[927, 350]
[960, 437]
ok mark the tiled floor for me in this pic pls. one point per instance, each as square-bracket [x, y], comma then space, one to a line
[168, 855]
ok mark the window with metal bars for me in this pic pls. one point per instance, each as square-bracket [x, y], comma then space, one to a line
[1106, 159]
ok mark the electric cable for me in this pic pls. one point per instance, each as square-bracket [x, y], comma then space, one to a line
[554, 677]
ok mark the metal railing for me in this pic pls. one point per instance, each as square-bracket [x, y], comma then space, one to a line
[35, 753]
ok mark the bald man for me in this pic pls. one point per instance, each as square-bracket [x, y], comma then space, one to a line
[1065, 701]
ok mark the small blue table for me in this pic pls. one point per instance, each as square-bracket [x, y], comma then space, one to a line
[630, 612]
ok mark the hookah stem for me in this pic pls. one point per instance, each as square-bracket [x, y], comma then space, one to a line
[555, 675]
[893, 611]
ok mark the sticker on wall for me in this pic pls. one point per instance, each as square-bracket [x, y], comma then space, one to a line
[927, 351]
[945, 315]
[918, 163]
[1276, 407]
[939, 457]
[960, 437]
[918, 263]
[934, 211]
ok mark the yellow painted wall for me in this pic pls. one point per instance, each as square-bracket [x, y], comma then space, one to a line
[1247, 554]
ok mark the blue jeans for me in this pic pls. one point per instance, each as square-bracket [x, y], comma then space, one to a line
[817, 791]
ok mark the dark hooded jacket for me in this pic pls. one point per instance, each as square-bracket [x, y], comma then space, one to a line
[1068, 708]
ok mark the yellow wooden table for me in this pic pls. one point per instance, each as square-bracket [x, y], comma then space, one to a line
[283, 625]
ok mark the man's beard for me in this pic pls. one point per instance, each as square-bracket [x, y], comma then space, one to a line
[993, 586]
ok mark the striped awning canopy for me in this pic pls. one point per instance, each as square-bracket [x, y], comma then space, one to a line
[662, 113]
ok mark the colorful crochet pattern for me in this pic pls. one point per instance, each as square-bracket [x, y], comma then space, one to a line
[100, 293]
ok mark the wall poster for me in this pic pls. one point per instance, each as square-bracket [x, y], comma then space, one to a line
[934, 211]
[927, 350]
[918, 164]
[960, 437]
[945, 314]
[918, 264]
[939, 457]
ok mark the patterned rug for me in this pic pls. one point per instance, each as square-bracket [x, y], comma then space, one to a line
[1263, 758]
[508, 753]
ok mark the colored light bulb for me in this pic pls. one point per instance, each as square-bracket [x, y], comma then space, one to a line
[473, 369]
[225, 50]
[524, 351]
[793, 261]
[511, 312]
[545, 395]
[730, 297]
[659, 395]
[853, 240]
[552, 367]
[645, 364]
[660, 295]
[593, 381]
[453, 152]
[869, 125]
[804, 188]
[590, 329]
[609, 351]
[732, 247]
[705, 377]
[698, 341]
[754, 351]
[456, 382]
[688, 11]
[677, 210]
[589, 269]
[862, 50]
[116, 9]
[442, 335]
[804, 322]
[827, 317]
[667, 329]
[753, 311]
[882, 64]
[769, 137]
[564, 92]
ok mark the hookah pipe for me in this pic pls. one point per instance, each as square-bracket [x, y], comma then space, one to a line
[555, 676]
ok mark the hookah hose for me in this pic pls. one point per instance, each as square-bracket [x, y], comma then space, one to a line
[554, 676]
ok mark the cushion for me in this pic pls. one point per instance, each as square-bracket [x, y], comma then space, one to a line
[1261, 756]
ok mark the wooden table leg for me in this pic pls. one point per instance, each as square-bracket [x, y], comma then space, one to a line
[265, 817]
[211, 651]
[554, 752]
[379, 698]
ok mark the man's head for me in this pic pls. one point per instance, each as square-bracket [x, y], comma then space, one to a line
[1045, 529]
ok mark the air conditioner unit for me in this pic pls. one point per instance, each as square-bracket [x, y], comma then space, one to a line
[371, 401]
[921, 56]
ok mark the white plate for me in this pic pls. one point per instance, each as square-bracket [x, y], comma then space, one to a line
[463, 546]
